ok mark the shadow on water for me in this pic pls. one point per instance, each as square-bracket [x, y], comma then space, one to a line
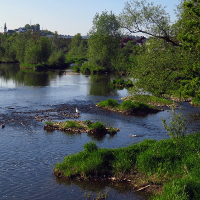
[108, 189]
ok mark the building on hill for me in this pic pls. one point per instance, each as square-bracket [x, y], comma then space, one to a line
[140, 41]
[5, 28]
[21, 30]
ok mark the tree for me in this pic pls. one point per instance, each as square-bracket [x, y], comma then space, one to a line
[159, 68]
[75, 44]
[37, 50]
[27, 26]
[105, 24]
[37, 27]
[104, 41]
[142, 17]
[189, 37]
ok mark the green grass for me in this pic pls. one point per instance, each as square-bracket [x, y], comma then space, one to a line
[174, 163]
[127, 105]
[72, 124]
[109, 103]
[50, 123]
[150, 99]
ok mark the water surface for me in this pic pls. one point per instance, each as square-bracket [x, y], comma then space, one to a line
[28, 153]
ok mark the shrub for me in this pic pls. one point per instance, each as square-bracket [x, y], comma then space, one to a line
[177, 126]
[108, 103]
[90, 147]
[97, 127]
[120, 82]
[129, 105]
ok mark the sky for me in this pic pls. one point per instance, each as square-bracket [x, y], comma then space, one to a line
[67, 17]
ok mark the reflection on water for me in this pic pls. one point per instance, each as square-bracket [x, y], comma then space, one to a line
[28, 153]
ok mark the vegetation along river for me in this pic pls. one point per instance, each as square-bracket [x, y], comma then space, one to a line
[28, 153]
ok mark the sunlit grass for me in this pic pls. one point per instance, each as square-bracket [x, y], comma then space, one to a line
[171, 163]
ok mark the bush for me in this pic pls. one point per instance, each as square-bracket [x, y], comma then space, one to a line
[90, 147]
[129, 105]
[108, 103]
[97, 127]
[177, 127]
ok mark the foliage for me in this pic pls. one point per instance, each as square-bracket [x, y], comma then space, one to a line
[90, 147]
[125, 105]
[105, 24]
[97, 127]
[144, 17]
[104, 41]
[129, 105]
[161, 66]
[163, 162]
[37, 50]
[102, 50]
[72, 124]
[57, 58]
[148, 99]
[121, 82]
[108, 103]
[78, 46]
[177, 127]
[49, 123]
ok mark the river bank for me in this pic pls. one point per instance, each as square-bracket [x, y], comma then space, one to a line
[152, 166]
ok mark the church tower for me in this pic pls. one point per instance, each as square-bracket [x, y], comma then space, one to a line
[5, 28]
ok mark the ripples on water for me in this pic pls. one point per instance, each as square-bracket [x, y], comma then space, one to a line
[28, 153]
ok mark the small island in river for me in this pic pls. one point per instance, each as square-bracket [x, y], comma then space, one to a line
[80, 127]
[128, 107]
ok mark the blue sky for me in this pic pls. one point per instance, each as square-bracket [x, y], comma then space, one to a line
[68, 17]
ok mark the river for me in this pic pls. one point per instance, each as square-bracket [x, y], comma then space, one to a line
[28, 153]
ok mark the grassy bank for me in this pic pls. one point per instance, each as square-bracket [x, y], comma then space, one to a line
[127, 107]
[148, 99]
[169, 168]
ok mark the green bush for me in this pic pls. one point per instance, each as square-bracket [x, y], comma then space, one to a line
[90, 147]
[97, 127]
[108, 103]
[129, 105]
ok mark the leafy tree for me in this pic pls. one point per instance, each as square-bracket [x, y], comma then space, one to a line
[37, 50]
[78, 46]
[190, 41]
[159, 68]
[143, 17]
[104, 41]
[58, 43]
[37, 27]
[27, 26]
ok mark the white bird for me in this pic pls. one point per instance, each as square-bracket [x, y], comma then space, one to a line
[77, 111]
[132, 135]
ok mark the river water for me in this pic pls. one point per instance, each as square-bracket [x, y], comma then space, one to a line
[28, 153]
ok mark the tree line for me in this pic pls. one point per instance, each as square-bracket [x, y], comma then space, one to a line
[168, 61]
